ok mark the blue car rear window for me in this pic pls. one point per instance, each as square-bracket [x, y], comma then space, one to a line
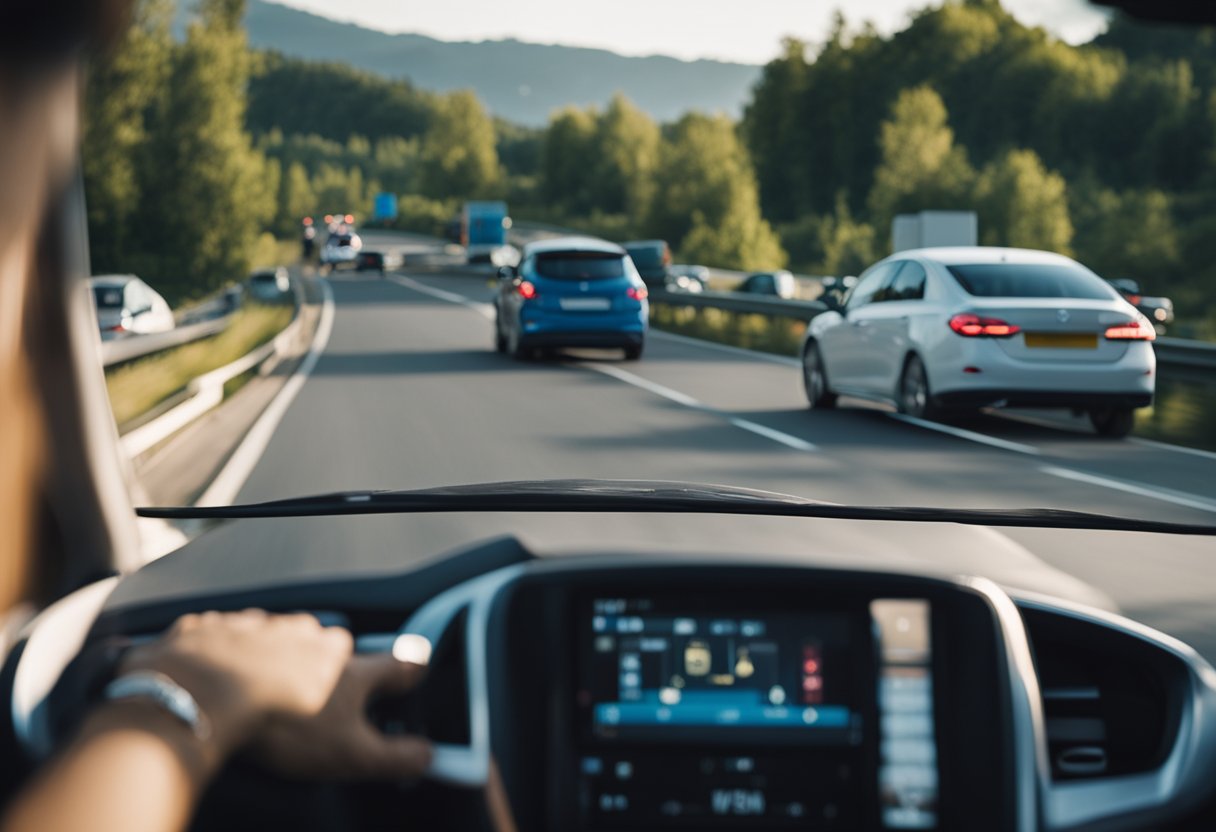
[1030, 280]
[576, 265]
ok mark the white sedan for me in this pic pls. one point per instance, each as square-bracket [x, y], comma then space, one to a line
[341, 247]
[941, 329]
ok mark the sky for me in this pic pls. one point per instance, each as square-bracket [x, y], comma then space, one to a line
[747, 31]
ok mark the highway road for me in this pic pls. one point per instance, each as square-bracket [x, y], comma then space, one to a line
[408, 393]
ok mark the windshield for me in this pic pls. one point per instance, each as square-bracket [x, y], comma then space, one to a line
[1037, 280]
[647, 256]
[573, 265]
[492, 331]
[107, 297]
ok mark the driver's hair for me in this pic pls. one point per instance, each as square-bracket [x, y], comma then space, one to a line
[42, 49]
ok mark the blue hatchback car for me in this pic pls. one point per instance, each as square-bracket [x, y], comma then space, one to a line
[571, 292]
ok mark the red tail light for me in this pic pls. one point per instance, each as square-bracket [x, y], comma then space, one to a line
[1137, 330]
[350, 218]
[976, 326]
[1134, 300]
[637, 292]
[526, 290]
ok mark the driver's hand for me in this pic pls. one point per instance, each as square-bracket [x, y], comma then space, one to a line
[341, 742]
[248, 670]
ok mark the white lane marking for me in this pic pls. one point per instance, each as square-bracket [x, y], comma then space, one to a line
[711, 345]
[225, 487]
[1167, 495]
[775, 435]
[486, 310]
[969, 435]
[1165, 446]
[676, 396]
[689, 402]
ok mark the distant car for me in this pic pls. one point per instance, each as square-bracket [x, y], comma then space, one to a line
[836, 288]
[938, 329]
[697, 273]
[779, 284]
[128, 306]
[497, 256]
[571, 292]
[342, 247]
[269, 284]
[652, 259]
[378, 261]
[1158, 310]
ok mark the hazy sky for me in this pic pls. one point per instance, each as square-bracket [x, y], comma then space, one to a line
[735, 30]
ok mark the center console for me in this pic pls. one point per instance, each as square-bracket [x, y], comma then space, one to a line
[758, 701]
[697, 715]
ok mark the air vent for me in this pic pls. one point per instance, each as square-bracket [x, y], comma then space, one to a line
[1110, 700]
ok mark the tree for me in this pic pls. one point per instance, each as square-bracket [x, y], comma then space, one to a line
[1128, 234]
[709, 190]
[849, 247]
[921, 168]
[296, 200]
[1023, 204]
[625, 156]
[207, 187]
[459, 157]
[568, 147]
[122, 92]
[770, 130]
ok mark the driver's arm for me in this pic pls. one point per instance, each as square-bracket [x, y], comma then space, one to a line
[284, 687]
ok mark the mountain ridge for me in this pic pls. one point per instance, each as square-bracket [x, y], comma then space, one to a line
[518, 80]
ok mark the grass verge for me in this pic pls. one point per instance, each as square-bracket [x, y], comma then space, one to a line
[777, 335]
[141, 385]
[274, 251]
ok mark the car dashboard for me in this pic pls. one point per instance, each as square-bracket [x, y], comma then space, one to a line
[653, 693]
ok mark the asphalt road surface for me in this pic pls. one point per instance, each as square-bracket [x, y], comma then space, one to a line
[409, 393]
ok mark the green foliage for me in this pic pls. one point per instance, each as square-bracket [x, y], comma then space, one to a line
[458, 154]
[123, 95]
[920, 168]
[520, 149]
[710, 204]
[1126, 234]
[849, 247]
[625, 156]
[424, 216]
[209, 192]
[569, 144]
[334, 101]
[778, 335]
[601, 161]
[138, 387]
[1022, 204]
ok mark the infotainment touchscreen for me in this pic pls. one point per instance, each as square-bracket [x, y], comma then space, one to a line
[701, 712]
[658, 672]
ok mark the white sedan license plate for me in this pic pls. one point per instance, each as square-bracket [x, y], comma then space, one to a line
[585, 304]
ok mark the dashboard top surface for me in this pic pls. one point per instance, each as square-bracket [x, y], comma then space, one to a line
[245, 554]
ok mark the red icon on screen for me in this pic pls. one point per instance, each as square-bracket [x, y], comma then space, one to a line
[812, 675]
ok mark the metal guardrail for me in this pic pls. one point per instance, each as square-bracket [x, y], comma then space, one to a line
[1173, 352]
[207, 391]
[127, 349]
[802, 310]
[1179, 352]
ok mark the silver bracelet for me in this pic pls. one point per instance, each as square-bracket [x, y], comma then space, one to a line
[164, 692]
